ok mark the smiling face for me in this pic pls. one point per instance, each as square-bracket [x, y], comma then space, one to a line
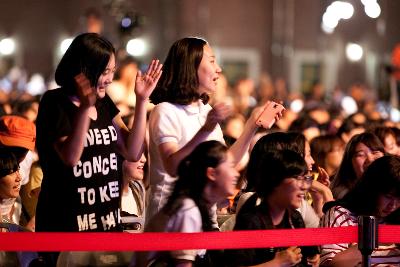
[134, 170]
[363, 157]
[291, 192]
[208, 72]
[106, 77]
[225, 177]
[307, 156]
[10, 185]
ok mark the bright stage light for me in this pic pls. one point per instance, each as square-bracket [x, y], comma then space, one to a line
[354, 52]
[7, 46]
[136, 47]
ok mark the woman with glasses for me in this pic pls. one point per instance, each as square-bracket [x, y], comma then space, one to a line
[280, 183]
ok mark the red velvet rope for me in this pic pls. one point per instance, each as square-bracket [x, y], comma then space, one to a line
[178, 241]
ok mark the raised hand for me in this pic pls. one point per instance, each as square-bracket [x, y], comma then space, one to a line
[86, 93]
[219, 113]
[145, 83]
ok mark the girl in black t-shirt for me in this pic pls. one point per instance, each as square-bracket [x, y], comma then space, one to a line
[81, 139]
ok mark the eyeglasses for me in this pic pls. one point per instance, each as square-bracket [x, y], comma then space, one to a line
[304, 179]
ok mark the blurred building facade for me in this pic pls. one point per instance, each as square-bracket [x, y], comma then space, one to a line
[280, 37]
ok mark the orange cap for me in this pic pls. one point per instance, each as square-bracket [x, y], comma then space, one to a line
[17, 131]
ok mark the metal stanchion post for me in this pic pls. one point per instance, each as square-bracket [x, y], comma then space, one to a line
[367, 238]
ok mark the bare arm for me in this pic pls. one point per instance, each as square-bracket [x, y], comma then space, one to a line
[70, 148]
[172, 156]
[348, 257]
[240, 147]
[144, 85]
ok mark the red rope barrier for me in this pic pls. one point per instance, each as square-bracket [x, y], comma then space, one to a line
[178, 241]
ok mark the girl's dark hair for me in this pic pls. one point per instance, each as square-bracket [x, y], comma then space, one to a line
[346, 175]
[8, 163]
[89, 53]
[267, 143]
[274, 167]
[396, 132]
[381, 177]
[322, 145]
[277, 141]
[179, 82]
[192, 178]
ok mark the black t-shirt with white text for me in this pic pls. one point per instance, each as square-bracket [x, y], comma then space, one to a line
[85, 197]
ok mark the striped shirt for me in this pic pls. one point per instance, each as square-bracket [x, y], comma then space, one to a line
[338, 216]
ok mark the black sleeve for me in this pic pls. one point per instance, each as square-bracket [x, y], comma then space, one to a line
[53, 120]
[111, 106]
[246, 257]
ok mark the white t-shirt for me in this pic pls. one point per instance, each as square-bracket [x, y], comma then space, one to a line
[178, 124]
[186, 220]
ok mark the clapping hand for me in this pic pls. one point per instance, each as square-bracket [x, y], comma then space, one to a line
[219, 113]
[86, 93]
[145, 83]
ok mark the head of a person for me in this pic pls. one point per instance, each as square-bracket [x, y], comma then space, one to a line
[94, 21]
[377, 193]
[351, 126]
[92, 55]
[267, 143]
[10, 179]
[210, 163]
[306, 125]
[17, 135]
[327, 151]
[134, 170]
[359, 153]
[388, 139]
[298, 143]
[127, 68]
[207, 175]
[283, 176]
[190, 73]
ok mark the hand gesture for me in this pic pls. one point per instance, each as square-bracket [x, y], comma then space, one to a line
[323, 177]
[86, 93]
[288, 257]
[145, 83]
[219, 113]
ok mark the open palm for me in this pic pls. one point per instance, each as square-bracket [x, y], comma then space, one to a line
[145, 83]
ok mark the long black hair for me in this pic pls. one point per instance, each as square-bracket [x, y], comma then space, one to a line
[192, 179]
[381, 177]
[346, 175]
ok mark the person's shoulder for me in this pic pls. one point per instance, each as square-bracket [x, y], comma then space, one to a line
[188, 204]
[53, 93]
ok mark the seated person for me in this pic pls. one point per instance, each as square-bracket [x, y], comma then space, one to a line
[376, 194]
[133, 196]
[280, 183]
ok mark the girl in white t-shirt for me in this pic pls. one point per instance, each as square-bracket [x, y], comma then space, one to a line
[182, 117]
[206, 177]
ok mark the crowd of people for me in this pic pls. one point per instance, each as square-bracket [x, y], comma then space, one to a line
[175, 149]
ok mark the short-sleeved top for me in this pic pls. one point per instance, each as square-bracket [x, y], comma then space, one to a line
[339, 216]
[178, 124]
[85, 197]
[186, 220]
